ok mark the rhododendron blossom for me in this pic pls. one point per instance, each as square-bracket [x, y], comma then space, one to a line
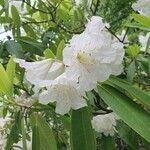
[41, 73]
[105, 123]
[90, 57]
[66, 93]
[93, 55]
[144, 40]
[143, 7]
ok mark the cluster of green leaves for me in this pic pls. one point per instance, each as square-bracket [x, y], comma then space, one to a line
[42, 31]
[116, 16]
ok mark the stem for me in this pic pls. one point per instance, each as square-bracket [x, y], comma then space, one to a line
[34, 7]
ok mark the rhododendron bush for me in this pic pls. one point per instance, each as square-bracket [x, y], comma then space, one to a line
[74, 74]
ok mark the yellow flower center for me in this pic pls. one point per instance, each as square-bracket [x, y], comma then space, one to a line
[85, 59]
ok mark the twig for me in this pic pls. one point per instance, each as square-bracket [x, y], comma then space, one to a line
[70, 31]
[97, 102]
[50, 4]
[34, 7]
[124, 37]
[35, 22]
[114, 35]
[100, 113]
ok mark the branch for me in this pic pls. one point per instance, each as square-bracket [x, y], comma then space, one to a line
[70, 31]
[34, 7]
[114, 35]
[50, 4]
[100, 113]
[59, 4]
[124, 37]
[97, 102]
[35, 22]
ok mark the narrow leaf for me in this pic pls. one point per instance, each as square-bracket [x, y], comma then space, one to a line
[143, 20]
[24, 143]
[107, 143]
[128, 135]
[131, 71]
[130, 112]
[14, 48]
[134, 91]
[15, 15]
[49, 54]
[60, 49]
[35, 138]
[47, 139]
[11, 69]
[82, 135]
[5, 84]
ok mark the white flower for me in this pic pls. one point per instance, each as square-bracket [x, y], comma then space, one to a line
[24, 100]
[92, 56]
[66, 93]
[116, 66]
[105, 123]
[143, 7]
[3, 122]
[95, 25]
[78, 2]
[143, 40]
[41, 73]
[2, 142]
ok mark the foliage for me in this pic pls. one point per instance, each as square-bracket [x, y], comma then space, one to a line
[42, 29]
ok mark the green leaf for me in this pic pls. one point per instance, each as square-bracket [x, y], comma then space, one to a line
[1, 49]
[24, 143]
[140, 95]
[130, 112]
[14, 48]
[12, 137]
[29, 31]
[131, 71]
[35, 138]
[143, 20]
[4, 19]
[60, 49]
[15, 131]
[47, 139]
[148, 46]
[107, 143]
[82, 134]
[145, 64]
[11, 69]
[2, 2]
[5, 84]
[15, 15]
[133, 50]
[128, 135]
[49, 54]
[138, 26]
[31, 45]
[66, 122]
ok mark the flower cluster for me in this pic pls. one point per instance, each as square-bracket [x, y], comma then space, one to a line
[89, 57]
[105, 123]
[143, 7]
